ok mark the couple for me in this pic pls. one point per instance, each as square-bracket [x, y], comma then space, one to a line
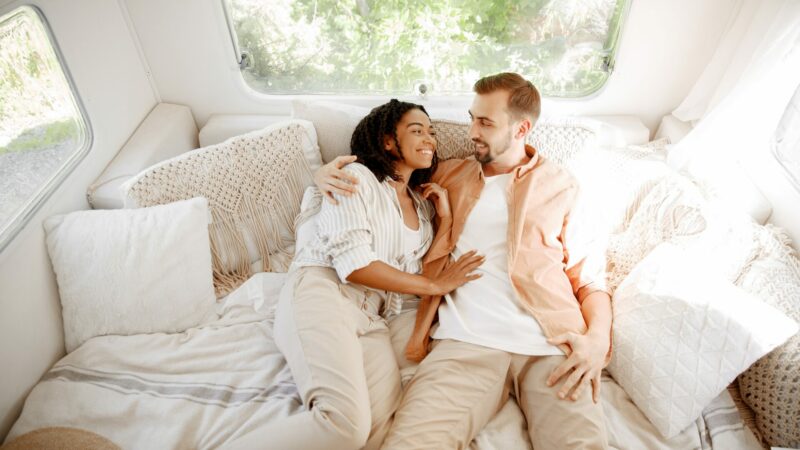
[520, 298]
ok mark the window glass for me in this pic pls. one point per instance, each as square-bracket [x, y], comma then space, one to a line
[41, 128]
[391, 46]
[786, 141]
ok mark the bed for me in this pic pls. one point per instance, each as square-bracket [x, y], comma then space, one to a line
[207, 384]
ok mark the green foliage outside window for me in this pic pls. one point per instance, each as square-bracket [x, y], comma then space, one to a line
[41, 128]
[371, 46]
[33, 92]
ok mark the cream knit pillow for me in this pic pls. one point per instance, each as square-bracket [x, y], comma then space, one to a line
[771, 386]
[132, 271]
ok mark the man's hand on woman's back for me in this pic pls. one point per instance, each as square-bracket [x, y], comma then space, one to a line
[331, 179]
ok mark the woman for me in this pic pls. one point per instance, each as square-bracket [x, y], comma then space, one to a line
[358, 269]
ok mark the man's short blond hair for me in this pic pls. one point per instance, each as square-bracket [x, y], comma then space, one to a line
[523, 99]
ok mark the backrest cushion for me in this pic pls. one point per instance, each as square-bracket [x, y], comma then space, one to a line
[254, 184]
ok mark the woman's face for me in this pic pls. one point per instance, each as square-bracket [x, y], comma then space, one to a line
[416, 138]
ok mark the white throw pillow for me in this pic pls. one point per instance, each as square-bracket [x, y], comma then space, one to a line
[334, 123]
[682, 333]
[132, 271]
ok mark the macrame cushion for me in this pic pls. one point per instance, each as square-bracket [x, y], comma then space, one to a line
[612, 179]
[254, 184]
[668, 210]
[771, 386]
[558, 139]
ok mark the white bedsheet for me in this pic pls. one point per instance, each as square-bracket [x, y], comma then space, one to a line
[203, 387]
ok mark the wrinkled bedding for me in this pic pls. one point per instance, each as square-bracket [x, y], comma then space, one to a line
[208, 385]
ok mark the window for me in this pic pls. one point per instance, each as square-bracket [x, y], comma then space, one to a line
[786, 141]
[42, 131]
[390, 46]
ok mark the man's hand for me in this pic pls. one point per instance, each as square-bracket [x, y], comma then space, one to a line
[586, 362]
[331, 179]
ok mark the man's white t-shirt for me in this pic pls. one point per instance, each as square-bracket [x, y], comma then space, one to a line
[486, 311]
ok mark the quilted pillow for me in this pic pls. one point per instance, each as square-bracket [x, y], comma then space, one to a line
[682, 333]
[771, 386]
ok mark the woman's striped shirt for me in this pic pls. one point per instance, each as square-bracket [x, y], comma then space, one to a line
[365, 227]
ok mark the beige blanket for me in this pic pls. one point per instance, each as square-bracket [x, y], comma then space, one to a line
[206, 386]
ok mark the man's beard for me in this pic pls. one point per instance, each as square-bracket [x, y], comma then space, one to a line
[488, 157]
[485, 158]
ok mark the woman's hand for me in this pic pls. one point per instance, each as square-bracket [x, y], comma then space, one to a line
[331, 179]
[457, 273]
[440, 199]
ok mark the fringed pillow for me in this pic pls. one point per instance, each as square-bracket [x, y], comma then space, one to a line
[668, 210]
[254, 184]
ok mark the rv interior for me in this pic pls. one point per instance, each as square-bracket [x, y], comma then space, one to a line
[680, 119]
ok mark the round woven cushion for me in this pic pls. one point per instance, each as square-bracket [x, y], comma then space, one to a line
[60, 438]
[771, 386]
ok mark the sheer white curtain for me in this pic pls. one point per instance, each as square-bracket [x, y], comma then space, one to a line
[748, 22]
[739, 108]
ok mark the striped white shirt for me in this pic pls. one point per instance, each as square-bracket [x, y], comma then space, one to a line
[365, 227]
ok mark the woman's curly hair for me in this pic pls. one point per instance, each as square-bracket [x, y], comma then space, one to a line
[368, 139]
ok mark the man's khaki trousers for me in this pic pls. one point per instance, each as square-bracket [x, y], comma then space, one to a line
[459, 387]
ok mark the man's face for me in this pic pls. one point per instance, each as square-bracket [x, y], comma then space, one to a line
[491, 128]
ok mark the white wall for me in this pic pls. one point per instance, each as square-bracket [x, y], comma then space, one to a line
[665, 45]
[117, 95]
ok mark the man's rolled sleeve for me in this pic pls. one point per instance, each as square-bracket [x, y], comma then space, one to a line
[584, 254]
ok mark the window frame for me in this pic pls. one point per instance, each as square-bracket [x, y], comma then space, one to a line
[612, 43]
[11, 229]
[789, 163]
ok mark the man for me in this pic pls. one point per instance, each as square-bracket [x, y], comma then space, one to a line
[537, 323]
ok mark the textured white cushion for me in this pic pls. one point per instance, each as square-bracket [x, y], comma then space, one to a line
[132, 271]
[682, 333]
